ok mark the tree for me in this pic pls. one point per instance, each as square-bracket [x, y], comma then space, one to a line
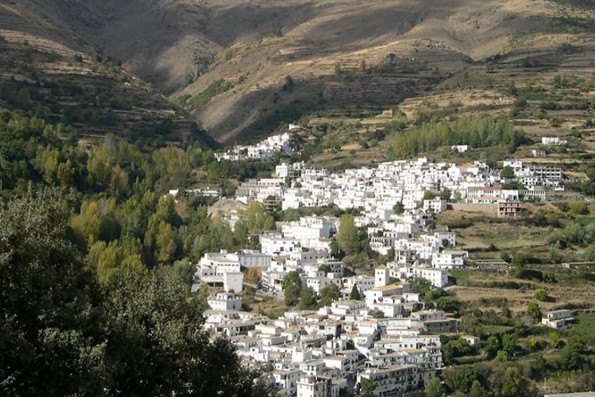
[329, 294]
[48, 339]
[434, 388]
[477, 390]
[377, 313]
[507, 172]
[399, 208]
[512, 383]
[571, 353]
[354, 294]
[391, 254]
[292, 288]
[156, 345]
[429, 195]
[308, 299]
[578, 208]
[63, 334]
[449, 304]
[492, 346]
[257, 219]
[541, 295]
[502, 356]
[445, 194]
[534, 311]
[509, 342]
[456, 347]
[325, 268]
[166, 245]
[419, 285]
[347, 234]
[459, 378]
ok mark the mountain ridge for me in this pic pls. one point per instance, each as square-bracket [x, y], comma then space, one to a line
[351, 54]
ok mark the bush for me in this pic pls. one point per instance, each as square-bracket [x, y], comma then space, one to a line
[541, 295]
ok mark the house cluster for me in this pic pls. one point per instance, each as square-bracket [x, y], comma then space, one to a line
[378, 333]
[264, 150]
[377, 190]
[533, 177]
[386, 340]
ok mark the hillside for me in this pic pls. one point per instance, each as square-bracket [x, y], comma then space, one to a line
[242, 68]
[48, 71]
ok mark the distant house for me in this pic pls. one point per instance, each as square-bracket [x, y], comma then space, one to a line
[557, 318]
[460, 148]
[538, 153]
[553, 140]
[510, 210]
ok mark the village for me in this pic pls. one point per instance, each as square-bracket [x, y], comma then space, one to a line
[376, 334]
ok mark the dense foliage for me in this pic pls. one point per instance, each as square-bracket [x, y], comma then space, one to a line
[473, 131]
[64, 333]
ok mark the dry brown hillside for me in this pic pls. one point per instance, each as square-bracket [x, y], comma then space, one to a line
[48, 70]
[242, 67]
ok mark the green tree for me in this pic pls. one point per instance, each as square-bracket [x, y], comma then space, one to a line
[165, 243]
[324, 268]
[507, 172]
[429, 195]
[578, 208]
[571, 354]
[367, 387]
[509, 342]
[391, 254]
[534, 311]
[399, 208]
[492, 346]
[502, 356]
[257, 219]
[292, 288]
[308, 299]
[377, 313]
[354, 294]
[420, 285]
[329, 294]
[434, 388]
[477, 390]
[156, 345]
[347, 234]
[456, 347]
[512, 383]
[459, 378]
[445, 193]
[541, 295]
[449, 304]
[48, 339]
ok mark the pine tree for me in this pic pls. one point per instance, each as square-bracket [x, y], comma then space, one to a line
[354, 294]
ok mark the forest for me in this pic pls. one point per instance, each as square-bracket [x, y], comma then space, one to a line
[95, 271]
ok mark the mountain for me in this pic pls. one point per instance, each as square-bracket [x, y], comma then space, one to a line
[243, 67]
[47, 69]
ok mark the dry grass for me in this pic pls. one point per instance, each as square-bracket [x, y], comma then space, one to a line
[579, 296]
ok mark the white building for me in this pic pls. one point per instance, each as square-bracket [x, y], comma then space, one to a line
[460, 148]
[225, 301]
[449, 259]
[557, 318]
[553, 140]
